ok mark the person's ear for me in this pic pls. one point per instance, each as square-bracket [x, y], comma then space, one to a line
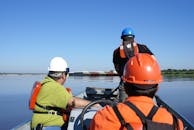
[63, 76]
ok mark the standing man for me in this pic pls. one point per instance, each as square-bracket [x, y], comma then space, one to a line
[124, 52]
[53, 97]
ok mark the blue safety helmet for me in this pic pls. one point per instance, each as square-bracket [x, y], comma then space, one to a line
[127, 32]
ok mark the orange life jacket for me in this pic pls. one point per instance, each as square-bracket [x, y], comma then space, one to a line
[32, 102]
[109, 119]
[122, 53]
[147, 122]
[34, 94]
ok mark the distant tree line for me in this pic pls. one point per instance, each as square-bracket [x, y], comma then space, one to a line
[179, 72]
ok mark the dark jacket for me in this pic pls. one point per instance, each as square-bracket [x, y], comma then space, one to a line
[120, 62]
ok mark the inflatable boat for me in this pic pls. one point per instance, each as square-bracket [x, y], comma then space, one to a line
[80, 118]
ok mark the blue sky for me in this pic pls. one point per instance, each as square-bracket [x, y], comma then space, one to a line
[86, 32]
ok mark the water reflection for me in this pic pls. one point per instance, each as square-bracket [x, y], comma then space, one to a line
[172, 78]
[15, 92]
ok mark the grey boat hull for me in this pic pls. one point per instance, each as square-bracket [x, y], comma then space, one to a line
[95, 94]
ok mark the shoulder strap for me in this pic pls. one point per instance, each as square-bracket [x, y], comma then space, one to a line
[175, 122]
[141, 115]
[137, 111]
[161, 103]
[122, 121]
[152, 112]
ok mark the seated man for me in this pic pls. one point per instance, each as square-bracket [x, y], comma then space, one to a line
[53, 98]
[141, 78]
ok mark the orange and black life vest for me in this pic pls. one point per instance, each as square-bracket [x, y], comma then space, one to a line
[32, 102]
[147, 122]
[129, 50]
[123, 53]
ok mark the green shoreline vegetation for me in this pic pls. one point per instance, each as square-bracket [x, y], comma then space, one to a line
[179, 73]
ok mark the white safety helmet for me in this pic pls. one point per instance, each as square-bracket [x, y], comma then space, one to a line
[58, 64]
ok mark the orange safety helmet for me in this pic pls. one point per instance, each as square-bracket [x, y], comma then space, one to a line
[142, 69]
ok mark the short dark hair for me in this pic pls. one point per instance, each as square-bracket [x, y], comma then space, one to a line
[55, 75]
[141, 90]
[127, 37]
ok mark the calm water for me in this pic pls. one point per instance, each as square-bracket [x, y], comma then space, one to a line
[15, 92]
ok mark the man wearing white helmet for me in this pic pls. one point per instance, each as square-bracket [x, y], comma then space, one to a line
[53, 97]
